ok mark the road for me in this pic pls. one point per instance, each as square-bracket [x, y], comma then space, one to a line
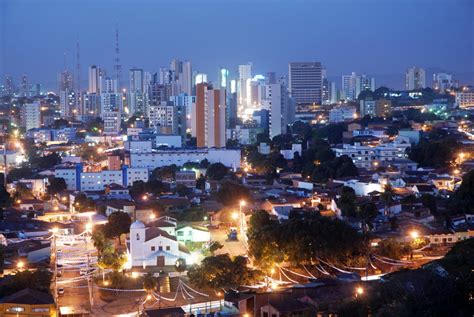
[233, 248]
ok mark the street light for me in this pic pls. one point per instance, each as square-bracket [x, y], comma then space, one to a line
[152, 216]
[20, 265]
[414, 234]
[359, 291]
[89, 226]
[235, 216]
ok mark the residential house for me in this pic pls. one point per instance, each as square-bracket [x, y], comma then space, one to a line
[28, 302]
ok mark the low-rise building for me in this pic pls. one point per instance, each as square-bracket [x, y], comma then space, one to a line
[28, 302]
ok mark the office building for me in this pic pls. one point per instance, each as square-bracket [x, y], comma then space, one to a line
[465, 99]
[305, 82]
[163, 118]
[415, 78]
[94, 80]
[243, 86]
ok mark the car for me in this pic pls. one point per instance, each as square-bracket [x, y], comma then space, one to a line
[84, 271]
[59, 273]
[60, 291]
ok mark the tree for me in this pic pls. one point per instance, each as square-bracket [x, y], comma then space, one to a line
[46, 161]
[463, 198]
[56, 185]
[165, 172]
[232, 144]
[39, 280]
[392, 249]
[119, 223]
[367, 213]
[82, 203]
[182, 190]
[216, 171]
[231, 193]
[5, 199]
[99, 239]
[180, 265]
[150, 283]
[429, 201]
[220, 271]
[347, 202]
[201, 183]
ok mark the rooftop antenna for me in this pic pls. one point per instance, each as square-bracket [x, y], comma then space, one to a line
[117, 66]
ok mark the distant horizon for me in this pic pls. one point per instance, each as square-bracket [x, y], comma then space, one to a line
[378, 38]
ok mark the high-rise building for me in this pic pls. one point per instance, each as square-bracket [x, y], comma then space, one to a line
[163, 118]
[94, 81]
[65, 81]
[305, 82]
[9, 88]
[243, 86]
[31, 115]
[271, 78]
[137, 92]
[415, 78]
[110, 86]
[281, 106]
[353, 85]
[443, 82]
[186, 78]
[24, 86]
[210, 116]
[111, 110]
[183, 105]
[67, 103]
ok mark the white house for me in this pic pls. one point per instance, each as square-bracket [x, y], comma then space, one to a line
[151, 246]
[193, 234]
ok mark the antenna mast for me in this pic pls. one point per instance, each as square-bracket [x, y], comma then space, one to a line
[78, 70]
[117, 66]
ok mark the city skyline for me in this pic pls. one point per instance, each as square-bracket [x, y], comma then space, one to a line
[244, 40]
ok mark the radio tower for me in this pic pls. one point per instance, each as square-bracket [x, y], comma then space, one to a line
[78, 70]
[117, 66]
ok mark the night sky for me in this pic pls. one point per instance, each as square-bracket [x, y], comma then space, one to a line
[376, 37]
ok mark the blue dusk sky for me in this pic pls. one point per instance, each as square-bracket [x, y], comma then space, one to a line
[376, 37]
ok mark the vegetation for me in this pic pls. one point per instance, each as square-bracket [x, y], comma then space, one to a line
[231, 193]
[440, 288]
[304, 237]
[217, 171]
[218, 272]
[463, 199]
[434, 153]
[56, 185]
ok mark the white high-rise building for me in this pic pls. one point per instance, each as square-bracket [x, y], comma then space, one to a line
[110, 86]
[415, 78]
[31, 115]
[186, 78]
[94, 82]
[353, 85]
[282, 111]
[244, 86]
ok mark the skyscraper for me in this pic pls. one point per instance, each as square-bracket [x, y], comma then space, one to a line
[24, 86]
[243, 86]
[9, 88]
[305, 82]
[415, 78]
[186, 78]
[137, 92]
[94, 83]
